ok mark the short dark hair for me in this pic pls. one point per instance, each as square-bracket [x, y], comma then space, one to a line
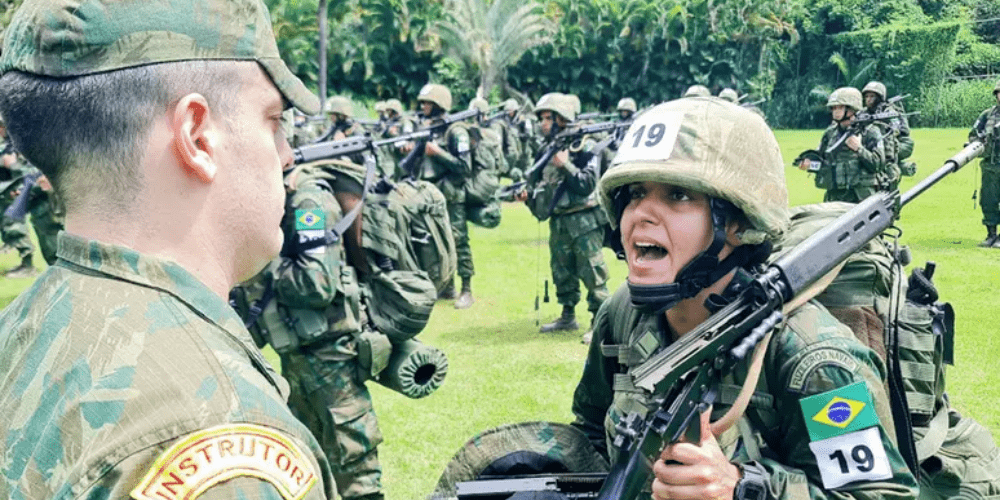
[85, 133]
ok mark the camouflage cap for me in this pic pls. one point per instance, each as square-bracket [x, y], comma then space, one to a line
[710, 146]
[67, 38]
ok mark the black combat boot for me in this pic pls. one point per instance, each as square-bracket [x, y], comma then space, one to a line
[25, 270]
[566, 322]
[448, 292]
[464, 300]
[991, 236]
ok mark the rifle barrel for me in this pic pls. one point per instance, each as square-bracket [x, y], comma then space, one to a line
[951, 165]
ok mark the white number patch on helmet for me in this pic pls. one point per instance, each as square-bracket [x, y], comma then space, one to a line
[650, 138]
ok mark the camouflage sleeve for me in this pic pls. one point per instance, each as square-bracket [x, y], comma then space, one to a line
[179, 470]
[582, 176]
[872, 150]
[593, 395]
[309, 279]
[455, 155]
[979, 126]
[815, 354]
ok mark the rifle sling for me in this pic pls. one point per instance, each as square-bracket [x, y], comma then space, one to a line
[753, 373]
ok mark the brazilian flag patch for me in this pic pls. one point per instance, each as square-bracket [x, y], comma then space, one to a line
[309, 219]
[838, 412]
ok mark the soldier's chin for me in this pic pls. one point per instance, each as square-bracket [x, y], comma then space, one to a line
[656, 272]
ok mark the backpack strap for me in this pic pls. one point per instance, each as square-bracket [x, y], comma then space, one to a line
[334, 234]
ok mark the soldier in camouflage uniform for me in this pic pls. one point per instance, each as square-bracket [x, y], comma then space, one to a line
[563, 192]
[854, 168]
[895, 131]
[48, 217]
[395, 125]
[986, 129]
[342, 125]
[123, 370]
[712, 187]
[447, 162]
[513, 154]
[13, 234]
[317, 290]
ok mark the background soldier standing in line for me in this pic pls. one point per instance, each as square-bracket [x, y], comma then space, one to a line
[563, 192]
[513, 153]
[124, 372]
[895, 131]
[852, 168]
[447, 163]
[697, 91]
[342, 125]
[985, 128]
[14, 234]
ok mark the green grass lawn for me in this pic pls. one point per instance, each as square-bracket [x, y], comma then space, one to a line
[502, 370]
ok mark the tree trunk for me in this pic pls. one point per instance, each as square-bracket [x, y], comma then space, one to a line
[321, 17]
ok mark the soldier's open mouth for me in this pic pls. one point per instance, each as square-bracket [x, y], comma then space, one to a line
[648, 251]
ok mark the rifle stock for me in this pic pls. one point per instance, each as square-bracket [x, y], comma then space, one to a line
[684, 376]
[18, 209]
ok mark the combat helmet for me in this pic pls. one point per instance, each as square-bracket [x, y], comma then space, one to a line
[846, 96]
[878, 88]
[339, 104]
[697, 91]
[714, 147]
[394, 105]
[557, 103]
[627, 104]
[729, 95]
[511, 105]
[480, 104]
[437, 94]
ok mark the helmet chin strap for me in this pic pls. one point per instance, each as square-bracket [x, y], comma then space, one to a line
[704, 270]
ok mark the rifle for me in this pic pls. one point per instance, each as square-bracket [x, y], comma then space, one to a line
[753, 104]
[348, 146]
[571, 485]
[510, 191]
[685, 376]
[564, 139]
[594, 115]
[864, 118]
[421, 137]
[18, 209]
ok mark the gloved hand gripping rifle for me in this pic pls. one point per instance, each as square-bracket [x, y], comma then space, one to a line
[685, 376]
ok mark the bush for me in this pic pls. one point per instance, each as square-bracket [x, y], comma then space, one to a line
[953, 104]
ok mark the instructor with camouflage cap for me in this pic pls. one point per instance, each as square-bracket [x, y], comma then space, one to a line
[124, 373]
[703, 194]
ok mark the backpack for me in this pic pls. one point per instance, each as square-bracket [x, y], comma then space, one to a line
[408, 222]
[904, 323]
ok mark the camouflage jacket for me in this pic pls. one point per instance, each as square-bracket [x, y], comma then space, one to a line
[315, 289]
[568, 189]
[449, 170]
[986, 126]
[810, 354]
[122, 373]
[845, 169]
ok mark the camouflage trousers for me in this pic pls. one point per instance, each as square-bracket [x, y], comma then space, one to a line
[458, 214]
[16, 235]
[989, 198]
[329, 397]
[575, 242]
[850, 195]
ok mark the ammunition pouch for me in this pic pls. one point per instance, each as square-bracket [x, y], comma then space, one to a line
[374, 352]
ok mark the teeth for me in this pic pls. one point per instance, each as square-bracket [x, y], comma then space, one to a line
[650, 251]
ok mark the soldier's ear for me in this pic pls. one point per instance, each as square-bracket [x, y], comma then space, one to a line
[195, 136]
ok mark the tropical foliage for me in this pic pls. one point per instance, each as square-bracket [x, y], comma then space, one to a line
[790, 52]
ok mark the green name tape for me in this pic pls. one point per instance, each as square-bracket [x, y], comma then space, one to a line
[840, 411]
